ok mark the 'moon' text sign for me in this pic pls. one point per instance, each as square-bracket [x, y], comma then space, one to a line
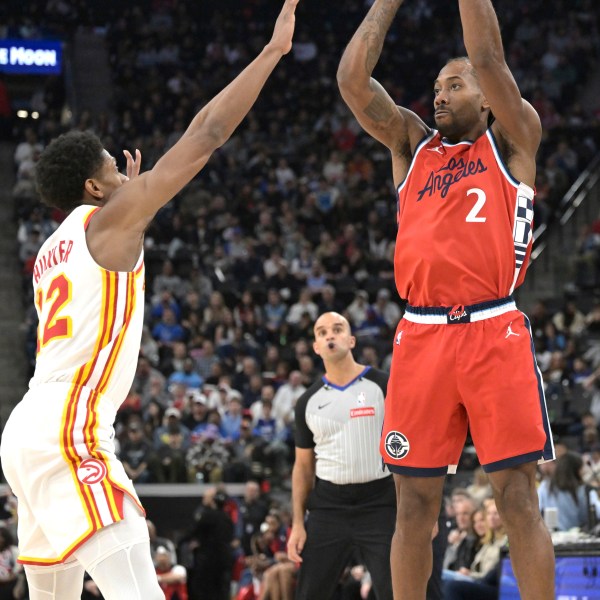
[30, 56]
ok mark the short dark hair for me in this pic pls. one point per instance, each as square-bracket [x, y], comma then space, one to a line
[466, 60]
[64, 166]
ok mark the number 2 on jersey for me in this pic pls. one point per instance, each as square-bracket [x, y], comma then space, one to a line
[481, 198]
[55, 326]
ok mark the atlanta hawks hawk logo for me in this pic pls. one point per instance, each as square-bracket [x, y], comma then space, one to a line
[91, 470]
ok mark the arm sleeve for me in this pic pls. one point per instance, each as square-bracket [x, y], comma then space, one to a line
[303, 436]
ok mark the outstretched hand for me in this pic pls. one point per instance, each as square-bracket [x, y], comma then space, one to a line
[133, 165]
[284, 27]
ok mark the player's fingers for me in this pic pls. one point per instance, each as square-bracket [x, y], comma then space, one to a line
[289, 6]
[137, 163]
[133, 165]
[129, 159]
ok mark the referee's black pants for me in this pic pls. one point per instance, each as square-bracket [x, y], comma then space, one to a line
[342, 520]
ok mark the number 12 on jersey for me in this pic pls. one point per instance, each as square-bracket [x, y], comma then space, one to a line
[52, 325]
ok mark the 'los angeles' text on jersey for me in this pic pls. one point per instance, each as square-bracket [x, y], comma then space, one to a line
[440, 181]
[464, 225]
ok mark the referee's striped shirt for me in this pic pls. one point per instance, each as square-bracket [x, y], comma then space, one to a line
[343, 425]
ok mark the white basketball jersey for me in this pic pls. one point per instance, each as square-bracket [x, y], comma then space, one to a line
[90, 319]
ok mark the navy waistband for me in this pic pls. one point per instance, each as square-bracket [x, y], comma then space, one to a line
[472, 308]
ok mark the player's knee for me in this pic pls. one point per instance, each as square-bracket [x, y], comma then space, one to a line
[417, 507]
[516, 505]
[517, 509]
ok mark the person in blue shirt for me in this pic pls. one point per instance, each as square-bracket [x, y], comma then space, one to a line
[565, 491]
[231, 420]
[168, 330]
[187, 375]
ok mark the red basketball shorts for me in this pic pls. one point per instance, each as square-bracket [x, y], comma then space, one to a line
[460, 368]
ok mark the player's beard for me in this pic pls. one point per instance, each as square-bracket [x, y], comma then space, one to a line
[447, 126]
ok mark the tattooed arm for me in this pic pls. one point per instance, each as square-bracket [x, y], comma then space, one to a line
[398, 128]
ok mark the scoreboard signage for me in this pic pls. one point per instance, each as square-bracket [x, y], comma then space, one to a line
[36, 57]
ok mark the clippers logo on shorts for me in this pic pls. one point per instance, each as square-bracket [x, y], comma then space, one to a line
[396, 445]
[458, 314]
[91, 471]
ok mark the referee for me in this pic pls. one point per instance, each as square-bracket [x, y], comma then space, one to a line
[338, 473]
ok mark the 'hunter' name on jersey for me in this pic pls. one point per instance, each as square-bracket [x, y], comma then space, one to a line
[57, 254]
[457, 170]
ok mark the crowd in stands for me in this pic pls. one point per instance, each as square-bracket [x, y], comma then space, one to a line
[295, 216]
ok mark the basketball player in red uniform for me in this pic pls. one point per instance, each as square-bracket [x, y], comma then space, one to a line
[462, 355]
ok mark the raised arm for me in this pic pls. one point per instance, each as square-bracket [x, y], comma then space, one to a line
[366, 98]
[516, 120]
[134, 204]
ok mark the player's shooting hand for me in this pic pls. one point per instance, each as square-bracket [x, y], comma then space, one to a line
[284, 27]
[133, 165]
[296, 543]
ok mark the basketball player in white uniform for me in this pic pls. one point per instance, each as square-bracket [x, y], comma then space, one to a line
[77, 509]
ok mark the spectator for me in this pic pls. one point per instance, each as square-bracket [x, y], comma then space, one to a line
[136, 454]
[253, 510]
[286, 396]
[172, 578]
[273, 434]
[210, 541]
[386, 309]
[246, 453]
[205, 359]
[187, 375]
[171, 442]
[304, 305]
[167, 281]
[460, 551]
[328, 301]
[480, 580]
[9, 568]
[232, 418]
[168, 331]
[145, 376]
[480, 488]
[565, 491]
[156, 541]
[28, 147]
[197, 418]
[208, 455]
[358, 309]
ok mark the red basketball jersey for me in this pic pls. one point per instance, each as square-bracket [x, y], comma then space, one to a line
[464, 225]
